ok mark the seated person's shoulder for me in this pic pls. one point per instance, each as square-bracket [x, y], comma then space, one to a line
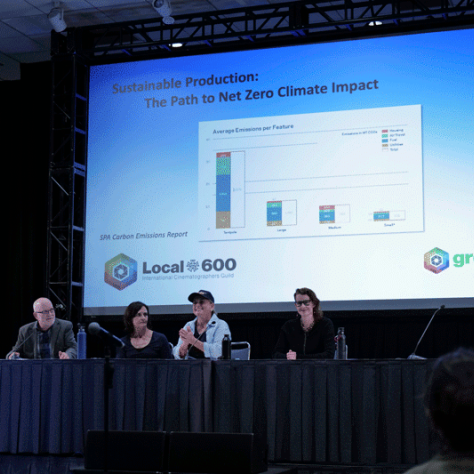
[64, 323]
[158, 336]
[27, 326]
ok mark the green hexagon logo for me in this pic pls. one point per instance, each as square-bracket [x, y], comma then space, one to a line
[121, 271]
[436, 260]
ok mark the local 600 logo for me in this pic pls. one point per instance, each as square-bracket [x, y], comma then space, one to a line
[121, 271]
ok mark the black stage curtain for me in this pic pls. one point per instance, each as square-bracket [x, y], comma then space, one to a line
[26, 108]
[345, 412]
[370, 334]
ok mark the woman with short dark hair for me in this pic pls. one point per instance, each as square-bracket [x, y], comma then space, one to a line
[140, 341]
[310, 335]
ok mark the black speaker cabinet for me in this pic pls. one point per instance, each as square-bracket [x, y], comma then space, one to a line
[128, 450]
[230, 453]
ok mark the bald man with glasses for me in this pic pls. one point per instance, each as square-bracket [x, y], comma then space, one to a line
[46, 338]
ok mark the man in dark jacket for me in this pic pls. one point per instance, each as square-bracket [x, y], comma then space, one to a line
[45, 338]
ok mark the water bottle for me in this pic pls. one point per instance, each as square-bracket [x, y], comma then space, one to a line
[81, 343]
[226, 347]
[341, 345]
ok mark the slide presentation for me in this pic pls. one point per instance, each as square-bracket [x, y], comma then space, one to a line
[344, 167]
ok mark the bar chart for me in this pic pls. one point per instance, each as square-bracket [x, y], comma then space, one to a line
[230, 186]
[312, 175]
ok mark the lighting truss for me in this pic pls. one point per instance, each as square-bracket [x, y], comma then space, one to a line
[283, 23]
[245, 28]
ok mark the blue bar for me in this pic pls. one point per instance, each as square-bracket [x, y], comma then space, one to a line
[223, 193]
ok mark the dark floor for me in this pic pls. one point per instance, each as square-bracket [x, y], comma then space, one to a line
[30, 464]
[345, 469]
[24, 464]
[340, 469]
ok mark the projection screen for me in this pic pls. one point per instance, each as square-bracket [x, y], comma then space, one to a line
[345, 167]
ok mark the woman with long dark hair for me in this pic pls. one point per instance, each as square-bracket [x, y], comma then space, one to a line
[140, 341]
[310, 335]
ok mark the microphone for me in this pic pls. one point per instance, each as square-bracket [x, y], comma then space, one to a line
[413, 356]
[96, 330]
[213, 323]
[15, 348]
[60, 306]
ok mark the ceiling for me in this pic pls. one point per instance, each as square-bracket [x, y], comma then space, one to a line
[25, 31]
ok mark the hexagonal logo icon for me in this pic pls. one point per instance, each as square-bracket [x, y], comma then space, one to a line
[121, 271]
[436, 260]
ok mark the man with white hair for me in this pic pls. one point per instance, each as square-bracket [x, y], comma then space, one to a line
[47, 337]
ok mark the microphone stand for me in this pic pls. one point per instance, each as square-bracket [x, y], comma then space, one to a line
[108, 384]
[413, 356]
[199, 338]
[17, 347]
[110, 341]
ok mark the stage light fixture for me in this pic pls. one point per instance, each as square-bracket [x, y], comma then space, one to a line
[163, 7]
[56, 18]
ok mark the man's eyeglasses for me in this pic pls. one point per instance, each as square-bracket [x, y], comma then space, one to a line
[46, 311]
[301, 303]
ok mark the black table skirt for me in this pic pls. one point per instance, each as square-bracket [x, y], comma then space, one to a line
[309, 411]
